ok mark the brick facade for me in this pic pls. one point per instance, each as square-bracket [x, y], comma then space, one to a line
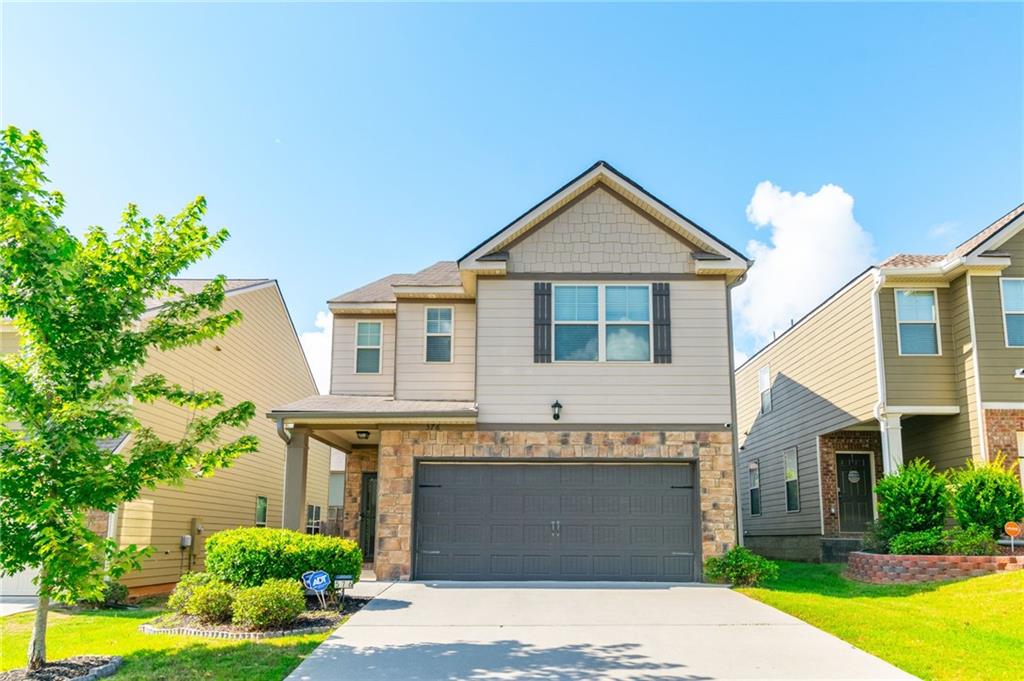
[400, 448]
[359, 461]
[843, 441]
[1001, 428]
[879, 568]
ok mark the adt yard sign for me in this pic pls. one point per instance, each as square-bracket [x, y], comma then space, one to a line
[1012, 529]
[316, 580]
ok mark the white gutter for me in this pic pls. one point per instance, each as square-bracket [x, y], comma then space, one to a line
[976, 365]
[879, 411]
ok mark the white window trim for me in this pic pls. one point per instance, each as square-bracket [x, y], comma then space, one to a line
[938, 327]
[602, 324]
[785, 483]
[1002, 306]
[760, 392]
[317, 521]
[256, 520]
[756, 463]
[427, 334]
[379, 347]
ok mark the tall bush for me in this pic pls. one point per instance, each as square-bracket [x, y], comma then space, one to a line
[275, 603]
[250, 556]
[913, 500]
[986, 495]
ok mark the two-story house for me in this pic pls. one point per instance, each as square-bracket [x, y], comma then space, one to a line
[555, 404]
[921, 356]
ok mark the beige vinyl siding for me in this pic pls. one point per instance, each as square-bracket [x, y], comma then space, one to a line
[693, 389]
[599, 232]
[8, 342]
[917, 380]
[259, 360]
[344, 379]
[422, 380]
[997, 361]
[823, 379]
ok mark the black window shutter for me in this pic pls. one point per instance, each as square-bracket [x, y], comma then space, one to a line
[542, 322]
[662, 324]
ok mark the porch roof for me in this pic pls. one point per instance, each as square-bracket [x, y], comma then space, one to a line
[371, 408]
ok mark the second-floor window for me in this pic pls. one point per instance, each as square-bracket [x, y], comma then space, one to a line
[602, 323]
[755, 488]
[368, 347]
[439, 324]
[917, 320]
[764, 387]
[1013, 311]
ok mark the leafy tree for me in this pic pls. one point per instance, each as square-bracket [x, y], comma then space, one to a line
[77, 305]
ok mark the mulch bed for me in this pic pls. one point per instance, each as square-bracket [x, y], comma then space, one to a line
[313, 620]
[79, 668]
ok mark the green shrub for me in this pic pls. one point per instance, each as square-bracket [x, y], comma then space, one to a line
[919, 543]
[741, 567]
[211, 602]
[179, 598]
[114, 594]
[252, 555]
[913, 500]
[876, 538]
[971, 541]
[988, 496]
[275, 603]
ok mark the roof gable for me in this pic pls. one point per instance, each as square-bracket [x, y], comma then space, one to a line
[630, 192]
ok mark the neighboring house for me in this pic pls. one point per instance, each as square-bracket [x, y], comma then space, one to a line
[260, 359]
[921, 356]
[556, 404]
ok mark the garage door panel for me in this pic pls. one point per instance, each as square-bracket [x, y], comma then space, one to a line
[555, 521]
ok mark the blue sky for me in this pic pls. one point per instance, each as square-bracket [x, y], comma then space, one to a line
[340, 143]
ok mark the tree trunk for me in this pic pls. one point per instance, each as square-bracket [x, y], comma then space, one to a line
[37, 644]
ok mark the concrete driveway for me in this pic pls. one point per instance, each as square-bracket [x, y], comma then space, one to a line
[12, 605]
[459, 630]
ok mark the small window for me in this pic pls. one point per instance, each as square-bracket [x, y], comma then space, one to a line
[764, 387]
[754, 473]
[1013, 311]
[368, 341]
[917, 318]
[792, 480]
[439, 334]
[312, 520]
[261, 511]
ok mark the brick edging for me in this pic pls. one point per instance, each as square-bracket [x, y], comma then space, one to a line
[235, 635]
[103, 671]
[879, 568]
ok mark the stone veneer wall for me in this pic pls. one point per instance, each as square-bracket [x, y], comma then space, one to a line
[359, 461]
[400, 448]
[878, 568]
[843, 441]
[1001, 428]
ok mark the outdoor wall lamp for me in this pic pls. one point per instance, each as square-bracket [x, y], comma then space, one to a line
[556, 410]
[363, 434]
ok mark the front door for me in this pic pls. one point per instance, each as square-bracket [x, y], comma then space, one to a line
[368, 517]
[855, 494]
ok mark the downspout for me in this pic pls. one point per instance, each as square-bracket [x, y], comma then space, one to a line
[732, 404]
[879, 411]
[976, 366]
[282, 432]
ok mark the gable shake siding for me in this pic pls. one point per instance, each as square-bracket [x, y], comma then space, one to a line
[823, 379]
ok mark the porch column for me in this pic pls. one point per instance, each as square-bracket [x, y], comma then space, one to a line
[892, 443]
[296, 462]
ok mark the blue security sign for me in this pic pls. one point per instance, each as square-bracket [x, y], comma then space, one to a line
[316, 580]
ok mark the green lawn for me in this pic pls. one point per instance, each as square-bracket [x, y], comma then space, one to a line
[148, 656]
[970, 629]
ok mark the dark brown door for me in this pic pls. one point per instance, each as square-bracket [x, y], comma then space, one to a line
[368, 517]
[855, 505]
[553, 521]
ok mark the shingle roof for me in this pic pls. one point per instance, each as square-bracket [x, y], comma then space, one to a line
[913, 260]
[442, 273]
[356, 406]
[188, 286]
[909, 260]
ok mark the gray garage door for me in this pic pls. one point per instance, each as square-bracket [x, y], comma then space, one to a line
[634, 522]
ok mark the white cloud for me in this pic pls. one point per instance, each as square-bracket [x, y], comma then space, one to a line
[317, 346]
[943, 229]
[815, 246]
